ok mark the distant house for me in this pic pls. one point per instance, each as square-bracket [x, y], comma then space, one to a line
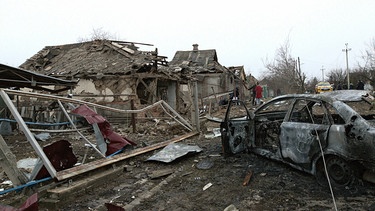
[213, 79]
[108, 71]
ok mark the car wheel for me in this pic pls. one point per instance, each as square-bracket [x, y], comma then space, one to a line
[339, 171]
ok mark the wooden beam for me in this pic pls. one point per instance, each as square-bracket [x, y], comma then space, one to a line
[9, 164]
[148, 88]
[78, 185]
[68, 173]
[176, 114]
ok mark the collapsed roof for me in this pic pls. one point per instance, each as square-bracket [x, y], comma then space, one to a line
[94, 59]
[196, 61]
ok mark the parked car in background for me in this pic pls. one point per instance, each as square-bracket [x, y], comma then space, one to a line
[333, 132]
[323, 87]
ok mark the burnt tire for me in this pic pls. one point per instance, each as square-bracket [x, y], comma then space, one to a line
[340, 172]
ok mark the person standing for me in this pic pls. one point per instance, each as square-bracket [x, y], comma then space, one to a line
[258, 93]
[252, 99]
[360, 85]
[339, 87]
[237, 94]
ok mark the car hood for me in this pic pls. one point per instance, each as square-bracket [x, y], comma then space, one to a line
[347, 95]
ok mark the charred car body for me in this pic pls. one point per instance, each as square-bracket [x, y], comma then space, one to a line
[332, 132]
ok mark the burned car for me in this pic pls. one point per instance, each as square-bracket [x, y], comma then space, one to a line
[332, 133]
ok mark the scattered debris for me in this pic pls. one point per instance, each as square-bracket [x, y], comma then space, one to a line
[173, 151]
[61, 156]
[7, 182]
[160, 173]
[215, 133]
[231, 208]
[27, 164]
[5, 128]
[42, 136]
[31, 204]
[116, 142]
[205, 164]
[247, 178]
[207, 186]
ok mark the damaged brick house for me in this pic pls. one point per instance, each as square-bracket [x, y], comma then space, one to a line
[109, 72]
[213, 79]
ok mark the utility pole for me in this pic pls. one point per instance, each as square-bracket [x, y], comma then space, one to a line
[322, 73]
[347, 64]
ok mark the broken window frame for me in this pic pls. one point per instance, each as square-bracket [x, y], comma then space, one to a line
[83, 168]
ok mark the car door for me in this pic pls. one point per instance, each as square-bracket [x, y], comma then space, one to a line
[305, 131]
[235, 129]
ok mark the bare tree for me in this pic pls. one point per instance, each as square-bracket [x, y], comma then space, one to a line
[284, 72]
[336, 76]
[310, 85]
[367, 70]
[98, 34]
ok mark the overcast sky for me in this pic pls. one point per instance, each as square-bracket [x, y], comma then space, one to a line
[242, 32]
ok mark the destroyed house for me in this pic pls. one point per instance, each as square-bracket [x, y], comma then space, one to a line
[213, 79]
[109, 72]
[240, 81]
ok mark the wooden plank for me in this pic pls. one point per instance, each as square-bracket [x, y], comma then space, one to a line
[161, 173]
[84, 183]
[59, 131]
[68, 173]
[8, 162]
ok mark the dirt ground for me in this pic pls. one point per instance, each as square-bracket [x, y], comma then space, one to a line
[209, 181]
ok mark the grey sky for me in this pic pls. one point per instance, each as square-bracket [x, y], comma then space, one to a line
[242, 32]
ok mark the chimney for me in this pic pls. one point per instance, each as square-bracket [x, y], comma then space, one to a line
[195, 47]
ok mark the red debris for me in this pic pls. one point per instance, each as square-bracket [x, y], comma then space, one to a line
[60, 155]
[116, 142]
[112, 207]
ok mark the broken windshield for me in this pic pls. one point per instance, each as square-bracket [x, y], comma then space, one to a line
[364, 108]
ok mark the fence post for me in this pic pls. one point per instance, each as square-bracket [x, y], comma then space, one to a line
[133, 115]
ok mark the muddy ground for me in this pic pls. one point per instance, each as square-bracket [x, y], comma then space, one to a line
[207, 181]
